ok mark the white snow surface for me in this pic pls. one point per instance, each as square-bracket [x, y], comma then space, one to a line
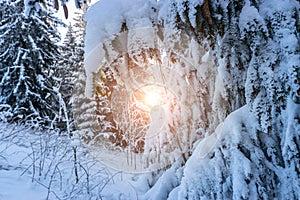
[36, 165]
[15, 186]
[16, 183]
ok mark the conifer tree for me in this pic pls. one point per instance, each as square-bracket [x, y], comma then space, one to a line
[66, 73]
[259, 67]
[29, 49]
[83, 109]
[255, 50]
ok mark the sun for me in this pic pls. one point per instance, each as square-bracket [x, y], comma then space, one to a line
[149, 96]
[152, 99]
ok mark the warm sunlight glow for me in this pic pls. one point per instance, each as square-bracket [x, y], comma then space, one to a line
[151, 95]
[152, 99]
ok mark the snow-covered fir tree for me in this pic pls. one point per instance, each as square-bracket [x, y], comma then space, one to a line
[80, 104]
[247, 71]
[29, 50]
[91, 115]
[67, 69]
[256, 50]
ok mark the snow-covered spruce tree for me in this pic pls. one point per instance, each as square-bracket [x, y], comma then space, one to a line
[67, 69]
[70, 68]
[91, 115]
[274, 96]
[5, 12]
[29, 51]
[84, 110]
[255, 49]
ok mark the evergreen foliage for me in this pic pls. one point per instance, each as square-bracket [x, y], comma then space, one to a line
[29, 50]
[257, 52]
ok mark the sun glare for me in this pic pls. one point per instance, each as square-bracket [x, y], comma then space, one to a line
[152, 99]
[149, 96]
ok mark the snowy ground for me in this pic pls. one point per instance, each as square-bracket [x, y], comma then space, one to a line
[15, 182]
[19, 179]
[15, 186]
[217, 156]
[19, 168]
[39, 165]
